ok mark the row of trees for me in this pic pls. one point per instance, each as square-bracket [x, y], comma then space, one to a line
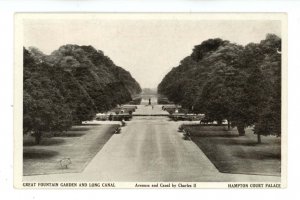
[223, 80]
[70, 86]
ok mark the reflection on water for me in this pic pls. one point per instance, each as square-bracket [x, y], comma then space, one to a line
[147, 98]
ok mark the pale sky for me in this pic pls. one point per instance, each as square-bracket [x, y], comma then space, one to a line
[148, 49]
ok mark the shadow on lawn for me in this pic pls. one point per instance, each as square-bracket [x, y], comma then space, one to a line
[86, 128]
[38, 154]
[242, 143]
[260, 155]
[232, 140]
[44, 142]
[246, 142]
[215, 136]
[70, 134]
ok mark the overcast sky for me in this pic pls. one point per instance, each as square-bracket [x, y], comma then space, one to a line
[148, 49]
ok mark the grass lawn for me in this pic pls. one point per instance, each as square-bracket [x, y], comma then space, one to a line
[238, 155]
[81, 144]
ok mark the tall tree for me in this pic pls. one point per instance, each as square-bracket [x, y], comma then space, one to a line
[69, 86]
[227, 81]
[44, 108]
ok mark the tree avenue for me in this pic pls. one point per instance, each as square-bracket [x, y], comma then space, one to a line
[70, 85]
[223, 80]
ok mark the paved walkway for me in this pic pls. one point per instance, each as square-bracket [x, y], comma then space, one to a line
[150, 149]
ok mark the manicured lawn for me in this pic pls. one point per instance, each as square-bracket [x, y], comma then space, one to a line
[233, 154]
[80, 144]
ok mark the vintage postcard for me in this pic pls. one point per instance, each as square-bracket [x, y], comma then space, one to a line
[150, 100]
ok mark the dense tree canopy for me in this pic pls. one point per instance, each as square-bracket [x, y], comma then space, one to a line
[69, 86]
[224, 80]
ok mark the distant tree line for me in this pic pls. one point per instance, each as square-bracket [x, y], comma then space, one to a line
[149, 91]
[223, 80]
[69, 86]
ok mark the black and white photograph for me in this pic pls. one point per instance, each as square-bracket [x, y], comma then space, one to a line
[150, 100]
